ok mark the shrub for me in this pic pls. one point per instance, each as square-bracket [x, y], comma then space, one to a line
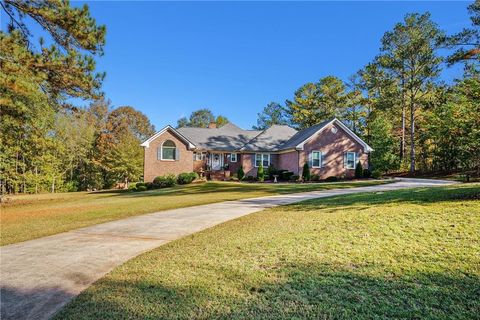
[166, 181]
[376, 174]
[240, 173]
[141, 188]
[286, 175]
[294, 178]
[149, 185]
[186, 177]
[315, 177]
[306, 172]
[271, 171]
[132, 187]
[331, 179]
[358, 171]
[250, 178]
[140, 184]
[260, 173]
[194, 176]
[367, 173]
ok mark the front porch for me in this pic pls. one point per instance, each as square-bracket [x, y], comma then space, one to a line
[214, 165]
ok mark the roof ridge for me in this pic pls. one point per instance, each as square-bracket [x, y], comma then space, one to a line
[248, 142]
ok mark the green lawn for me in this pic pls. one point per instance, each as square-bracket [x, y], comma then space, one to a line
[409, 254]
[26, 217]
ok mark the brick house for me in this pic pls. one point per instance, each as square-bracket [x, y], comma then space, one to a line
[330, 148]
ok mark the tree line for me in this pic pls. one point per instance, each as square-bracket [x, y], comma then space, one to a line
[396, 103]
[46, 143]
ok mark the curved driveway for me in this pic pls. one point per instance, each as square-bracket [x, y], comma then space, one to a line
[40, 276]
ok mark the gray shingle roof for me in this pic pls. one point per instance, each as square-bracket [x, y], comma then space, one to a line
[232, 138]
[303, 135]
[226, 138]
[270, 139]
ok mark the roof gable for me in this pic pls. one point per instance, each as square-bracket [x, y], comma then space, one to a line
[146, 143]
[303, 136]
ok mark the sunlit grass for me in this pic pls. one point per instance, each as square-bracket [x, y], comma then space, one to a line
[410, 254]
[27, 217]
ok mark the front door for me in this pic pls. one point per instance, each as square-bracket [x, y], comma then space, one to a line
[217, 161]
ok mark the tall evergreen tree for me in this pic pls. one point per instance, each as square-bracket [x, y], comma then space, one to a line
[317, 102]
[273, 113]
[408, 53]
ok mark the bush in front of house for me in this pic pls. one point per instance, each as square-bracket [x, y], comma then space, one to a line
[250, 178]
[306, 172]
[271, 171]
[295, 178]
[186, 177]
[260, 173]
[367, 173]
[132, 187]
[315, 177]
[358, 171]
[286, 175]
[376, 174]
[141, 188]
[165, 181]
[240, 173]
[331, 179]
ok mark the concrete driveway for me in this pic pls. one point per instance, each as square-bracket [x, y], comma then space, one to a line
[40, 276]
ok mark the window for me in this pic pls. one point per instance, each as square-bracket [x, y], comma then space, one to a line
[198, 156]
[233, 157]
[316, 159]
[349, 160]
[262, 158]
[169, 150]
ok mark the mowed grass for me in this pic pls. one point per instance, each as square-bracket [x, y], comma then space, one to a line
[26, 217]
[408, 254]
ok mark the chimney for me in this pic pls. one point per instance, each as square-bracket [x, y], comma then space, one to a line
[212, 125]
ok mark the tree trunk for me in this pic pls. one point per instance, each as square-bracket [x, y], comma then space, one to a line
[53, 185]
[36, 179]
[402, 142]
[412, 138]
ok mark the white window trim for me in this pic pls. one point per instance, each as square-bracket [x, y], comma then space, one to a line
[319, 158]
[198, 156]
[174, 154]
[354, 160]
[261, 159]
[231, 157]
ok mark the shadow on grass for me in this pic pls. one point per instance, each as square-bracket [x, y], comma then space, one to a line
[222, 187]
[412, 196]
[312, 291]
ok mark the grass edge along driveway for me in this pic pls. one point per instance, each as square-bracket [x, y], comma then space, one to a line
[396, 254]
[27, 217]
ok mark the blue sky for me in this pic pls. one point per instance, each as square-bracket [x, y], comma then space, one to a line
[170, 58]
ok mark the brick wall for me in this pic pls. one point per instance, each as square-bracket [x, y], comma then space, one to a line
[288, 161]
[333, 146]
[248, 161]
[154, 167]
